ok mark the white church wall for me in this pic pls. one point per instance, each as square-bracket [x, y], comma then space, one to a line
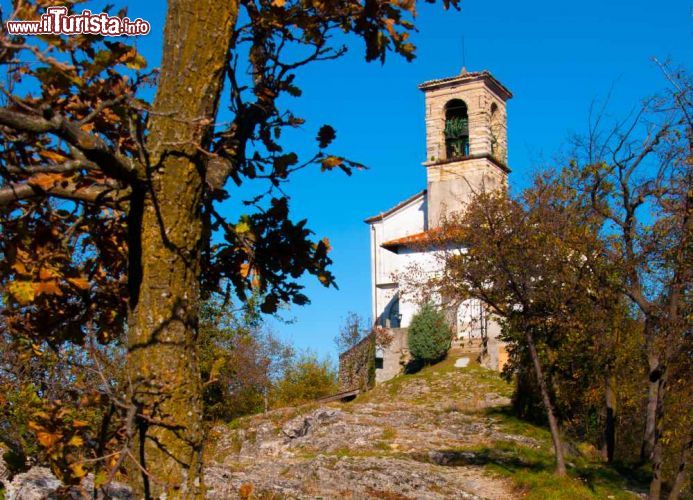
[406, 221]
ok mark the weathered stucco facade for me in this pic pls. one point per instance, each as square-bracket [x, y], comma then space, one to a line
[466, 152]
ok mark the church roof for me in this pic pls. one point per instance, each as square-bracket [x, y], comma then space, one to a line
[469, 76]
[400, 205]
[406, 241]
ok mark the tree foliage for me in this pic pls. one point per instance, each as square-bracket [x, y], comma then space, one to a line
[429, 335]
[636, 176]
[590, 273]
[308, 378]
[109, 203]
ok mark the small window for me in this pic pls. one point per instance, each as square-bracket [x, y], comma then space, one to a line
[456, 129]
[496, 149]
[379, 363]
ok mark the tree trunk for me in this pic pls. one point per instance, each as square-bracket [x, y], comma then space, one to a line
[167, 233]
[680, 480]
[550, 412]
[648, 440]
[610, 424]
[658, 449]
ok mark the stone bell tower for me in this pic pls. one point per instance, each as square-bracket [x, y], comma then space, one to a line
[466, 140]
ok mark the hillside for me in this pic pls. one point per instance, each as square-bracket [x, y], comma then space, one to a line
[441, 433]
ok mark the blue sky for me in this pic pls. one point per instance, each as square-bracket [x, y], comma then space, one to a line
[556, 57]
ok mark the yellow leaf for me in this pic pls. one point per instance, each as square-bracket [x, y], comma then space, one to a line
[22, 291]
[137, 62]
[75, 441]
[78, 470]
[242, 227]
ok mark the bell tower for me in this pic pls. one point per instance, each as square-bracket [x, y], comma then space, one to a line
[466, 140]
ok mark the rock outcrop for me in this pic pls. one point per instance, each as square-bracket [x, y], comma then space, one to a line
[39, 483]
[398, 441]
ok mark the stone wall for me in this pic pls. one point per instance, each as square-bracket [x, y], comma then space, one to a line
[357, 366]
[395, 355]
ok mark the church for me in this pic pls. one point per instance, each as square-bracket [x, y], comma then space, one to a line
[466, 151]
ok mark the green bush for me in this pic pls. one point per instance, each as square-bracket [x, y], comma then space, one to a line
[429, 335]
[306, 379]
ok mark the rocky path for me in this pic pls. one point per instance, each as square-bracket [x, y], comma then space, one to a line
[406, 439]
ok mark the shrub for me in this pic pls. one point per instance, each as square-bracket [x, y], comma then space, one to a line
[429, 335]
[306, 379]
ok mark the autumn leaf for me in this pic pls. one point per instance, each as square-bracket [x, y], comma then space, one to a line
[278, 3]
[19, 268]
[22, 291]
[48, 439]
[46, 273]
[246, 490]
[245, 270]
[330, 162]
[100, 479]
[80, 282]
[137, 62]
[52, 155]
[48, 287]
[242, 227]
[78, 470]
[45, 181]
[75, 441]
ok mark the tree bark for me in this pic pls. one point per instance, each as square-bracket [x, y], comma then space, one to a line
[550, 412]
[166, 230]
[658, 449]
[680, 480]
[653, 375]
[610, 424]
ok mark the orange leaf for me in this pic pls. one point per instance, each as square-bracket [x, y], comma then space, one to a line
[47, 439]
[331, 162]
[45, 181]
[52, 155]
[80, 282]
[19, 268]
[49, 287]
[46, 273]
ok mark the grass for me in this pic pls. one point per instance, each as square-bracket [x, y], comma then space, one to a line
[532, 472]
[530, 466]
[389, 433]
